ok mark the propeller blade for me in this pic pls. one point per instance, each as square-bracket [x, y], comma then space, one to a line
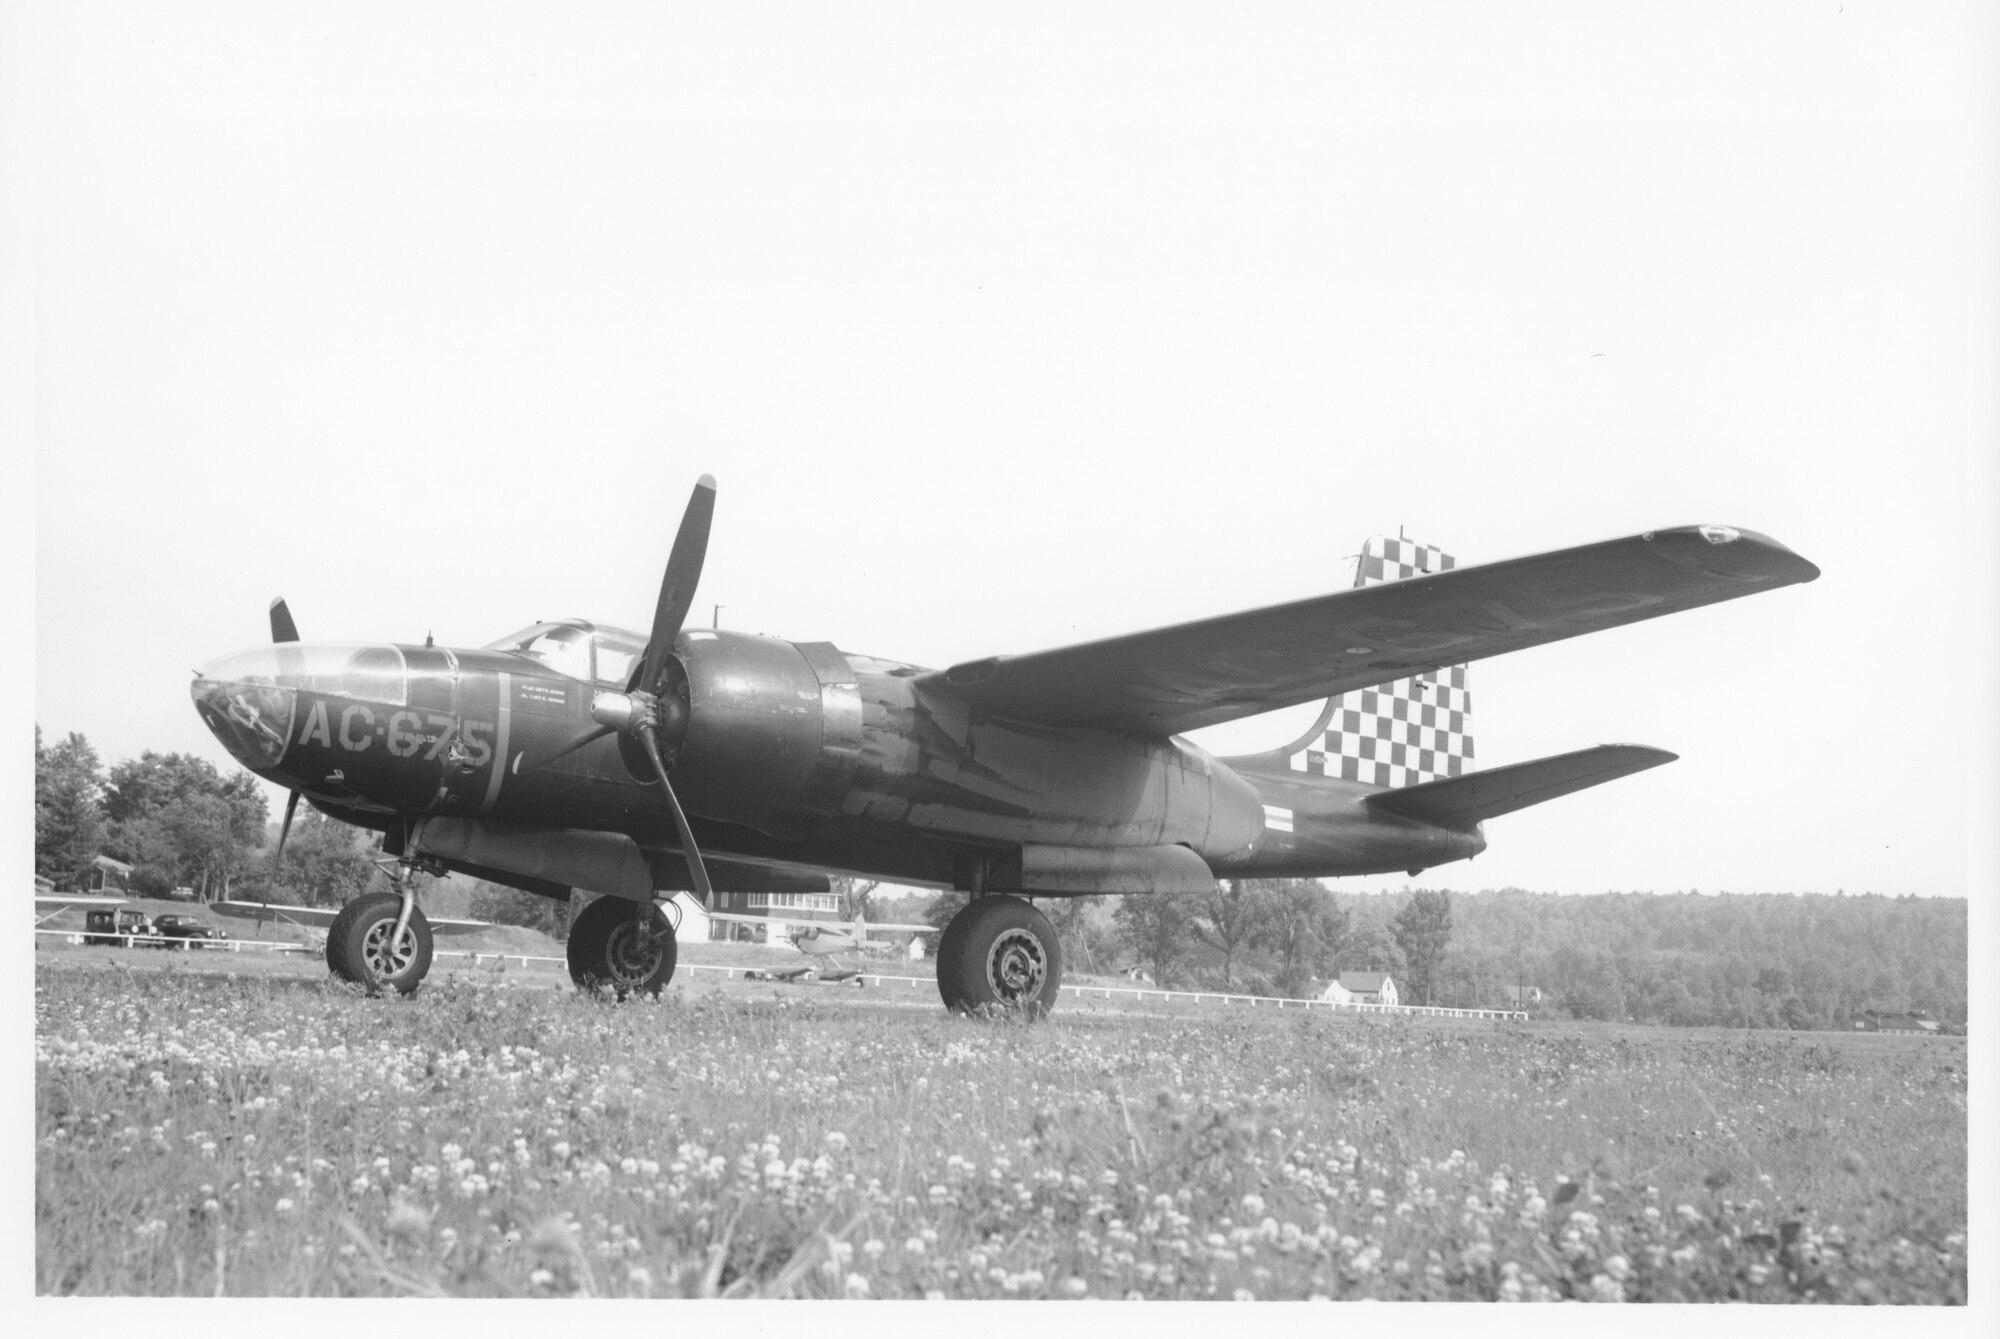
[291, 807]
[683, 575]
[688, 848]
[282, 627]
[521, 763]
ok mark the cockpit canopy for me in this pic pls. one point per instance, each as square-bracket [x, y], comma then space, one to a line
[587, 651]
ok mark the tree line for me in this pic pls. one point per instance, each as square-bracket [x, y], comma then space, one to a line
[180, 823]
[1734, 960]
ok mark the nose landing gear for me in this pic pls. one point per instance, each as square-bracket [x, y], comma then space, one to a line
[374, 945]
[382, 940]
[999, 953]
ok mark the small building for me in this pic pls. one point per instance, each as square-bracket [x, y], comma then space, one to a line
[1335, 993]
[1367, 988]
[1521, 997]
[1914, 1021]
[782, 912]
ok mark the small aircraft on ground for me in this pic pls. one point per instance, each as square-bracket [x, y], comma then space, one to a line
[576, 755]
[825, 939]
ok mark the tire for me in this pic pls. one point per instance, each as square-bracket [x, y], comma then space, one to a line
[357, 947]
[621, 946]
[947, 948]
[1000, 955]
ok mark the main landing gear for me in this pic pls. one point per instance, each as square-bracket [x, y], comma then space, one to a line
[621, 946]
[999, 953]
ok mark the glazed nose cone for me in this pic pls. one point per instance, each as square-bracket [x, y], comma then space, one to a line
[245, 704]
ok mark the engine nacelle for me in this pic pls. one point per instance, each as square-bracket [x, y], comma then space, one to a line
[760, 730]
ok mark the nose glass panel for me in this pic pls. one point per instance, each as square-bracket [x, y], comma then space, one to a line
[253, 720]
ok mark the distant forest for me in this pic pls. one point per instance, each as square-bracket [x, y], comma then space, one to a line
[1764, 960]
[1756, 960]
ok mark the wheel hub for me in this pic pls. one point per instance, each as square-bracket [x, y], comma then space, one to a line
[632, 953]
[386, 960]
[1016, 966]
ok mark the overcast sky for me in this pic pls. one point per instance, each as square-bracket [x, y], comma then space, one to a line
[1009, 327]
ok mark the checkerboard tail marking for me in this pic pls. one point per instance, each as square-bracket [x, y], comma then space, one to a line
[1402, 733]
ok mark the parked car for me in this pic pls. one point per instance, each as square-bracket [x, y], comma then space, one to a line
[114, 926]
[185, 932]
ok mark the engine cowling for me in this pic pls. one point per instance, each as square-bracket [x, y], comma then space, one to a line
[758, 727]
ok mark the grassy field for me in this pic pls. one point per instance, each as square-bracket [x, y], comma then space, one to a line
[206, 1128]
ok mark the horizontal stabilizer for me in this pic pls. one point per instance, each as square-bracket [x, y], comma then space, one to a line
[1461, 801]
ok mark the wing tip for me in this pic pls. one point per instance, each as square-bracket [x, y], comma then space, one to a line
[1733, 551]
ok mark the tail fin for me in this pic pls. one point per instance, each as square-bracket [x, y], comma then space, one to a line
[1395, 734]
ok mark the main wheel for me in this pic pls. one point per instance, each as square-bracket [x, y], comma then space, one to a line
[947, 948]
[999, 953]
[623, 946]
[358, 947]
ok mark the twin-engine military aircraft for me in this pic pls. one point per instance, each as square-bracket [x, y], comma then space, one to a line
[575, 755]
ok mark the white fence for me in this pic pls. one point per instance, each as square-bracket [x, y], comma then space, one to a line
[1134, 993]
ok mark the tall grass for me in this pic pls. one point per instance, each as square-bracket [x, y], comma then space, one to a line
[207, 1134]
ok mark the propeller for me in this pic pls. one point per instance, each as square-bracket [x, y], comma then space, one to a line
[652, 712]
[291, 807]
[284, 630]
[282, 627]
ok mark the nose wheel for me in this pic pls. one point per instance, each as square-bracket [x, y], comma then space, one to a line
[372, 945]
[999, 953]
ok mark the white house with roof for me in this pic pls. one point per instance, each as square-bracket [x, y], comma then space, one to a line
[1361, 988]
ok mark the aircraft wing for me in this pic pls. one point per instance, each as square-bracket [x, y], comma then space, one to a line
[278, 913]
[319, 918]
[1181, 678]
[50, 903]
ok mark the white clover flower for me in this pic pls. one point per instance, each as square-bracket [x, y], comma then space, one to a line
[1253, 1205]
[1618, 1267]
[857, 1286]
[1604, 1288]
[284, 1206]
[914, 1246]
[873, 1248]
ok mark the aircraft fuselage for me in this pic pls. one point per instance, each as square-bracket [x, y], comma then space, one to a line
[794, 754]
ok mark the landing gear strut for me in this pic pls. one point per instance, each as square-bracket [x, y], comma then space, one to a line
[999, 953]
[621, 946]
